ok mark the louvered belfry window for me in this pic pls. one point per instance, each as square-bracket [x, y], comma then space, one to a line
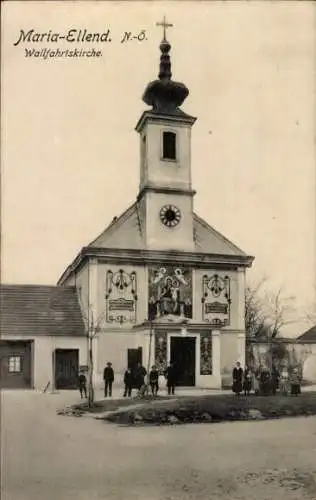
[169, 146]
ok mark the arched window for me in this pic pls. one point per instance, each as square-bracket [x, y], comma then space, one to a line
[169, 146]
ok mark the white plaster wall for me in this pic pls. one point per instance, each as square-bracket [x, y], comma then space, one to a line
[168, 173]
[160, 237]
[230, 353]
[112, 346]
[43, 354]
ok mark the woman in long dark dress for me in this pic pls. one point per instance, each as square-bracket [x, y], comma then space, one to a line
[237, 379]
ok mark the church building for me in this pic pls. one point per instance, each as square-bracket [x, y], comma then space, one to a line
[160, 284]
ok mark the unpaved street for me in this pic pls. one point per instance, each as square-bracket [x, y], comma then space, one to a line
[45, 456]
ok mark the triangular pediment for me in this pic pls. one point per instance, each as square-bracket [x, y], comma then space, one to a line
[125, 232]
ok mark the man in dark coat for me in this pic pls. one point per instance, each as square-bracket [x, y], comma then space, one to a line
[108, 377]
[82, 381]
[237, 379]
[171, 378]
[153, 380]
[128, 383]
[140, 376]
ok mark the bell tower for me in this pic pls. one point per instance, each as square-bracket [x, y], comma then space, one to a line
[165, 196]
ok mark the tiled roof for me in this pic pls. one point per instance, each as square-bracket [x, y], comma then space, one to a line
[31, 310]
[309, 336]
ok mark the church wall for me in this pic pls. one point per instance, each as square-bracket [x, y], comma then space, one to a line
[158, 236]
[122, 296]
[169, 173]
[229, 355]
[217, 299]
[82, 285]
[112, 346]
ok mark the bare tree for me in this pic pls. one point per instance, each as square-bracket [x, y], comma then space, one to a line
[279, 311]
[254, 311]
[266, 312]
[92, 327]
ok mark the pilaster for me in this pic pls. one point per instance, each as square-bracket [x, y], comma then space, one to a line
[242, 348]
[216, 353]
[240, 298]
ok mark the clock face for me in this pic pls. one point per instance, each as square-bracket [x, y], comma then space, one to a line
[170, 215]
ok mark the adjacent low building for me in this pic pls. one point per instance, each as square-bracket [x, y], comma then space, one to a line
[42, 333]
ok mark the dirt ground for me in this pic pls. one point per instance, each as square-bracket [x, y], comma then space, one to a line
[46, 456]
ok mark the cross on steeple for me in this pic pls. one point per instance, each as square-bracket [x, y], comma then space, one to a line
[165, 25]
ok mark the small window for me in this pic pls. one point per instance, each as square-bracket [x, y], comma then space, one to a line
[15, 364]
[169, 146]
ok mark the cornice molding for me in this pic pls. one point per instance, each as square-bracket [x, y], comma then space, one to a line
[164, 190]
[143, 257]
[181, 118]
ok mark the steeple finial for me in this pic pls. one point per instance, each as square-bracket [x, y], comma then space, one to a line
[165, 63]
[165, 25]
[165, 95]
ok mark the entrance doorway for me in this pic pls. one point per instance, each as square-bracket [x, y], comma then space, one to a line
[66, 368]
[134, 356]
[182, 355]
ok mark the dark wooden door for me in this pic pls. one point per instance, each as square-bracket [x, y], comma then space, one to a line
[134, 357]
[66, 363]
[15, 364]
[183, 359]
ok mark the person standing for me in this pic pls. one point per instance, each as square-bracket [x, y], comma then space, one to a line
[128, 383]
[141, 373]
[171, 379]
[256, 381]
[295, 383]
[82, 385]
[154, 380]
[247, 386]
[108, 377]
[265, 382]
[275, 376]
[284, 383]
[237, 379]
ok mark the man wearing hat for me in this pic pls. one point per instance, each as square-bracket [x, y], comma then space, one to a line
[108, 377]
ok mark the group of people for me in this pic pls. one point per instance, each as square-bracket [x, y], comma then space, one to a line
[265, 382]
[132, 379]
[137, 376]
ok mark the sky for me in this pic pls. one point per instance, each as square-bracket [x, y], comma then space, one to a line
[70, 154]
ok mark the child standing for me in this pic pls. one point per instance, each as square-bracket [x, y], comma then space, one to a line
[82, 385]
[128, 383]
[153, 380]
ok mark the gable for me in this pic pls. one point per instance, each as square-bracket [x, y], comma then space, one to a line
[124, 233]
[210, 241]
[308, 337]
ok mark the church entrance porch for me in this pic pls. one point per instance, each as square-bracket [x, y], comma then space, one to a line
[182, 355]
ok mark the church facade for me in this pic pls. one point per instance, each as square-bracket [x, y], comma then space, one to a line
[161, 285]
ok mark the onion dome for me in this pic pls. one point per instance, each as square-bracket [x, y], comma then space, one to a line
[165, 95]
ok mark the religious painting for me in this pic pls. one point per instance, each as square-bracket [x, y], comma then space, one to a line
[216, 299]
[206, 361]
[170, 292]
[121, 297]
[161, 352]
